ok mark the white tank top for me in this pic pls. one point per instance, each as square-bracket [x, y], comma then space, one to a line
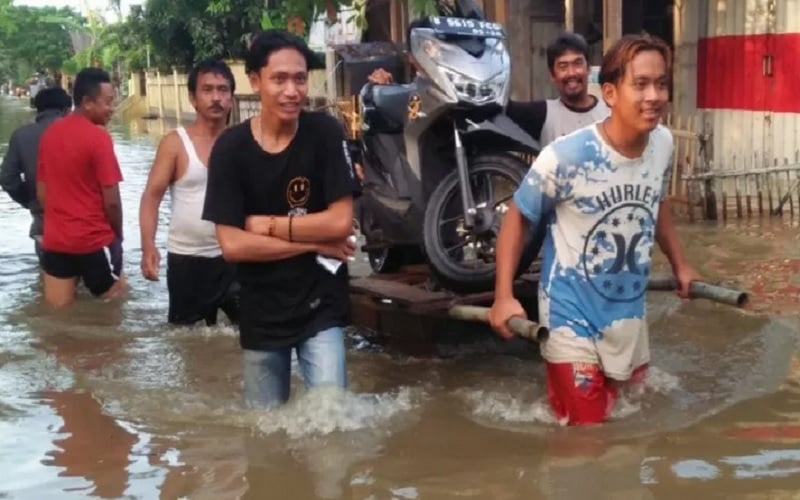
[189, 234]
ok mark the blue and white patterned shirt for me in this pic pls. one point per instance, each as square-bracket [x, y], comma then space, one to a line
[601, 208]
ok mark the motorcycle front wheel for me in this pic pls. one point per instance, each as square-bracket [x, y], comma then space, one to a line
[462, 259]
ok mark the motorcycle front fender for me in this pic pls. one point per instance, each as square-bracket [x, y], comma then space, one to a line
[503, 133]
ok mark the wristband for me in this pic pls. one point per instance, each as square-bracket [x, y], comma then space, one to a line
[271, 229]
[291, 216]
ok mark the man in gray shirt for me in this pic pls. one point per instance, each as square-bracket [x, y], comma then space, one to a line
[18, 170]
[547, 120]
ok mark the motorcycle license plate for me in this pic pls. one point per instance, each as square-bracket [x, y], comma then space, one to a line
[467, 27]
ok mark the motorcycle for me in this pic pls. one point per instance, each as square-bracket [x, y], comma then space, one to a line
[441, 159]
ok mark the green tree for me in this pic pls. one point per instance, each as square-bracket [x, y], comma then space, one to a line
[36, 38]
[6, 25]
[119, 47]
[182, 32]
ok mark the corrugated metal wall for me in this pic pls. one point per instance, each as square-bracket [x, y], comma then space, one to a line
[786, 126]
[744, 69]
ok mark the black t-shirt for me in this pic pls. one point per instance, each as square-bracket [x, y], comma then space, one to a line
[287, 300]
[530, 116]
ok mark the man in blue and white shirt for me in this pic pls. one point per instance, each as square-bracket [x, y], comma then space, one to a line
[601, 192]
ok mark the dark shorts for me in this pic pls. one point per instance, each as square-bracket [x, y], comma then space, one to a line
[37, 247]
[99, 270]
[200, 286]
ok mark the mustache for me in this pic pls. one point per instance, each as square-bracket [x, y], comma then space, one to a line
[217, 107]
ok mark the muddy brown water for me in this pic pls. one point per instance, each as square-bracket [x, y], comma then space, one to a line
[104, 400]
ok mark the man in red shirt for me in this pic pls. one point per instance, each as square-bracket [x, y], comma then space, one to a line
[77, 184]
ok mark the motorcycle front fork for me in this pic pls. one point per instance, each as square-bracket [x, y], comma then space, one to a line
[467, 203]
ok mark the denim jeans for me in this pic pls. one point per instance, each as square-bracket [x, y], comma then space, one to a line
[267, 374]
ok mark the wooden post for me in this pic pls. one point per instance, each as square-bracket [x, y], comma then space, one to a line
[147, 93]
[724, 201]
[569, 15]
[177, 94]
[160, 95]
[500, 11]
[495, 10]
[236, 111]
[612, 22]
[738, 197]
[769, 193]
[797, 185]
[760, 194]
[332, 92]
[396, 21]
[749, 196]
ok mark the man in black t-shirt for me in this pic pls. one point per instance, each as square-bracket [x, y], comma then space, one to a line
[280, 191]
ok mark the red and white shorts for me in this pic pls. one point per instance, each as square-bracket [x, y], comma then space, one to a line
[581, 394]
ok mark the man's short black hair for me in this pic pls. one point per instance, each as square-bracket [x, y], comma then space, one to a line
[215, 66]
[566, 42]
[54, 98]
[266, 42]
[87, 84]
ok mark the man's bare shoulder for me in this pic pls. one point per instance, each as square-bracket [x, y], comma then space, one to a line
[169, 143]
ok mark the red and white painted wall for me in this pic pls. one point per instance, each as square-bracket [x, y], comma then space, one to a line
[740, 61]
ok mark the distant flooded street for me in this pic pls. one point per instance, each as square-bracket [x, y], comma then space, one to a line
[107, 401]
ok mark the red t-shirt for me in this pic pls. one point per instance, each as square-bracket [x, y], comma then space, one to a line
[76, 160]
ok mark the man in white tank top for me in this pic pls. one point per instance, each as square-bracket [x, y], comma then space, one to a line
[575, 108]
[199, 280]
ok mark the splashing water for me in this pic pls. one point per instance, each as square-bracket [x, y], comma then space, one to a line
[329, 410]
[515, 407]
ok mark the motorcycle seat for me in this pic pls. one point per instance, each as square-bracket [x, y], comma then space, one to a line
[391, 103]
[390, 96]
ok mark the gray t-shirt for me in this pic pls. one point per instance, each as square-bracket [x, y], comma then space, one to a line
[563, 120]
[547, 120]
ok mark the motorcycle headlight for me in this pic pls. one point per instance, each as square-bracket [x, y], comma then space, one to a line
[474, 91]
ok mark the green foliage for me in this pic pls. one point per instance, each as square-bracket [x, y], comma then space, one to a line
[35, 38]
[177, 32]
[424, 7]
[183, 32]
[118, 48]
[6, 26]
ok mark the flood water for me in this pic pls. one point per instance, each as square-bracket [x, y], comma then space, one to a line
[104, 400]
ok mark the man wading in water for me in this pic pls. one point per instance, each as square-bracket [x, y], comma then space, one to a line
[601, 192]
[18, 170]
[199, 280]
[280, 191]
[77, 185]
